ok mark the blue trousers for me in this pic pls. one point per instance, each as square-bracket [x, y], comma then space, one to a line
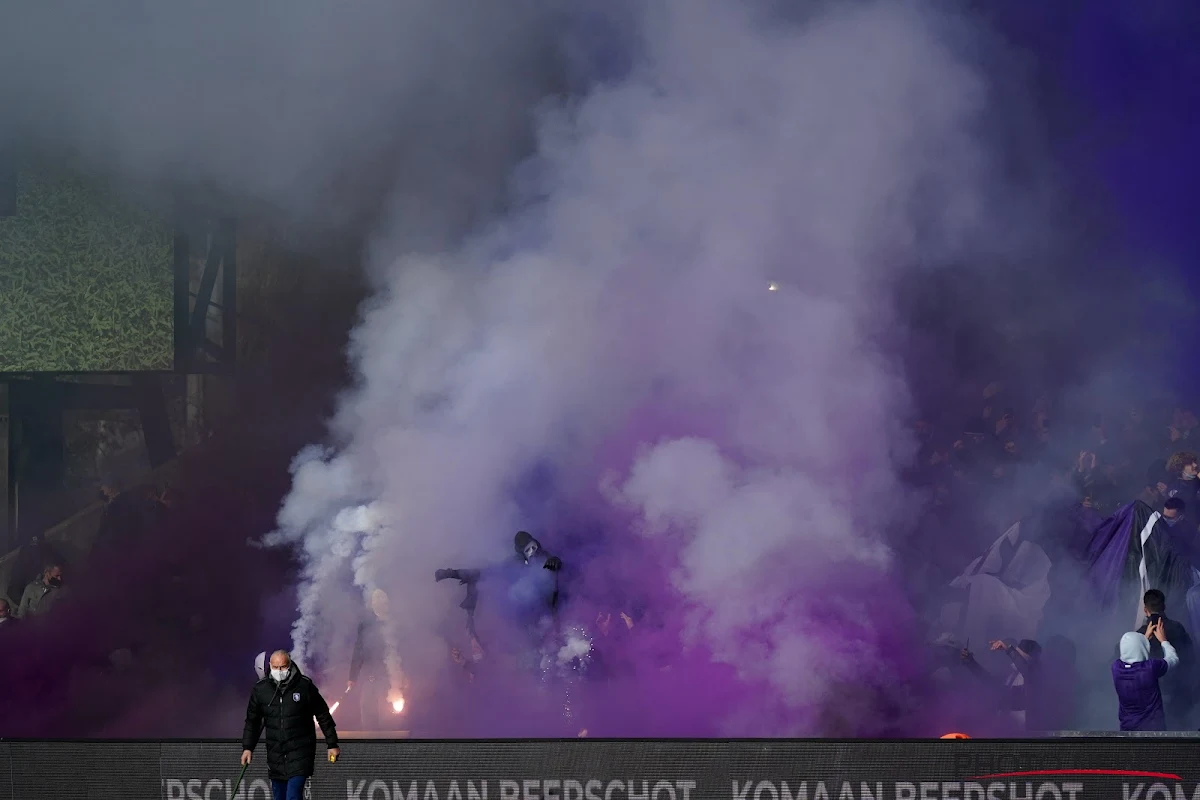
[291, 789]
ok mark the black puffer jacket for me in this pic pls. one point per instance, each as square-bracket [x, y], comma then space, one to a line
[286, 710]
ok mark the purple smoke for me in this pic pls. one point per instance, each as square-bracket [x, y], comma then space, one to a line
[686, 339]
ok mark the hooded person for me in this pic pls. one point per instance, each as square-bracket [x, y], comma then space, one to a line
[1135, 678]
[528, 586]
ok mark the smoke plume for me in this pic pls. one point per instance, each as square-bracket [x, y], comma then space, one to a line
[675, 365]
[314, 111]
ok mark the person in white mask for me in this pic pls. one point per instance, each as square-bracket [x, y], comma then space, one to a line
[284, 704]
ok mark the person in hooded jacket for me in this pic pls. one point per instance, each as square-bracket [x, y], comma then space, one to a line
[531, 586]
[284, 704]
[1136, 675]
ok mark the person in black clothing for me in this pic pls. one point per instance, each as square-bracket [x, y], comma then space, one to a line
[531, 585]
[284, 703]
[1028, 696]
[1178, 687]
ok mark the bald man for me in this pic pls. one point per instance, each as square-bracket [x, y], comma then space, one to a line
[285, 703]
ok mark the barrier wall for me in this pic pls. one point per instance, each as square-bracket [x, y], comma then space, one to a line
[585, 769]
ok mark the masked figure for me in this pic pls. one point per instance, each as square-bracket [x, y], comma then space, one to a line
[527, 586]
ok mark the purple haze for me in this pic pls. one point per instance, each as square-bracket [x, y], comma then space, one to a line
[673, 369]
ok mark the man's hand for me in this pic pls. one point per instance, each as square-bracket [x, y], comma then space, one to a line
[553, 563]
[1160, 630]
[998, 645]
[246, 756]
[334, 752]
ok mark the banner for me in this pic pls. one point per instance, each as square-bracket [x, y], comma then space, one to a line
[584, 769]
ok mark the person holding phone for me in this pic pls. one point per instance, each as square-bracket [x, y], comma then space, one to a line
[1178, 688]
[1136, 675]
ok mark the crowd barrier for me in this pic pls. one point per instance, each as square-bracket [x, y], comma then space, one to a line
[587, 769]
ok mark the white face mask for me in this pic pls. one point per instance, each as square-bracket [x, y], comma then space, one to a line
[279, 675]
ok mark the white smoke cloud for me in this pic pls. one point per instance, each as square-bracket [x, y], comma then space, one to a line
[742, 151]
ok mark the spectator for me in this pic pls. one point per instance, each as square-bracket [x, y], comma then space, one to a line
[1045, 691]
[1182, 427]
[1182, 469]
[1178, 686]
[1155, 491]
[7, 620]
[42, 593]
[31, 559]
[1136, 675]
[1099, 443]
[1173, 513]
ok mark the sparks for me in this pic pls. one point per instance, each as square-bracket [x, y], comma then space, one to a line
[772, 287]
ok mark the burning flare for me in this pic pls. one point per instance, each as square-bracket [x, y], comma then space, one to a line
[397, 704]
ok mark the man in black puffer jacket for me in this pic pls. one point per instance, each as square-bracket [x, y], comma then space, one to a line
[285, 702]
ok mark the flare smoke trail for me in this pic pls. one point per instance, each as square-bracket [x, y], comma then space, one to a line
[618, 336]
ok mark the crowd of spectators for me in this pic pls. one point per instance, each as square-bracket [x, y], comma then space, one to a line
[1031, 462]
[1006, 461]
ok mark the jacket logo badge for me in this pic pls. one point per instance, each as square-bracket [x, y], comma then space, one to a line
[295, 697]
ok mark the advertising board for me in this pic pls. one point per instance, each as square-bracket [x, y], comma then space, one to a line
[586, 769]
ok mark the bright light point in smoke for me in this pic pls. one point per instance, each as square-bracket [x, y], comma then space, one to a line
[772, 287]
[334, 707]
[398, 705]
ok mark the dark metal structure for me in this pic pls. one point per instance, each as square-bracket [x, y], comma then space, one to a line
[205, 342]
[195, 313]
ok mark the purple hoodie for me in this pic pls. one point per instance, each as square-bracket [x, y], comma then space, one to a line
[1135, 677]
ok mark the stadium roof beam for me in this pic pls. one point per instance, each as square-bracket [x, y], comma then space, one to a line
[195, 350]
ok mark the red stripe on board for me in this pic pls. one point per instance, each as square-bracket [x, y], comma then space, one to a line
[1122, 773]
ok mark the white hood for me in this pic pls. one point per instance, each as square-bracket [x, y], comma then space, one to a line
[1135, 648]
